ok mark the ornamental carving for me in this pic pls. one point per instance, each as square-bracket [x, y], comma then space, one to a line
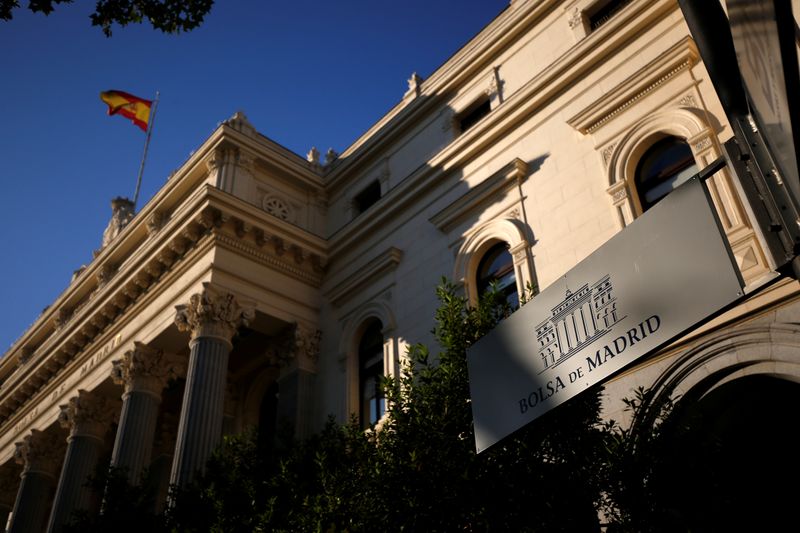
[294, 342]
[122, 212]
[607, 153]
[146, 368]
[25, 355]
[688, 101]
[307, 343]
[702, 144]
[38, 452]
[414, 84]
[575, 19]
[276, 207]
[104, 274]
[87, 414]
[155, 222]
[62, 317]
[212, 314]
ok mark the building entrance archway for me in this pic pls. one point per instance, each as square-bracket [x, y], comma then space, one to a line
[728, 460]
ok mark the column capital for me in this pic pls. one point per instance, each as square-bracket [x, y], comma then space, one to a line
[38, 452]
[146, 369]
[87, 414]
[212, 313]
[297, 343]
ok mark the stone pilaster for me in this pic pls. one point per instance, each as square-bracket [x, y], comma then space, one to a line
[87, 417]
[212, 318]
[143, 372]
[40, 455]
[297, 353]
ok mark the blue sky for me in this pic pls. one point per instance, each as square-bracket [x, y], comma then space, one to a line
[306, 73]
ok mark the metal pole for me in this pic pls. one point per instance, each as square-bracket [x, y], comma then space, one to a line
[150, 124]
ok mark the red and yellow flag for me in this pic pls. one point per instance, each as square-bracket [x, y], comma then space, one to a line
[129, 106]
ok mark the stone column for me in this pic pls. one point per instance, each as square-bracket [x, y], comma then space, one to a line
[40, 455]
[87, 417]
[144, 372]
[212, 318]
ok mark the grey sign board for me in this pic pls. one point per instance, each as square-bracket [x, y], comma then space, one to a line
[666, 272]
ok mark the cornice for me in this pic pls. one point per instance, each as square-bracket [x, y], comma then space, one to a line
[364, 275]
[209, 217]
[508, 176]
[167, 201]
[681, 56]
[473, 57]
[558, 77]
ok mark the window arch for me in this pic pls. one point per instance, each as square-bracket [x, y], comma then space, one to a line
[371, 323]
[504, 234]
[497, 266]
[667, 164]
[371, 400]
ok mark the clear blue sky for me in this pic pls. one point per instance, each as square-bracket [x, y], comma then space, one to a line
[306, 73]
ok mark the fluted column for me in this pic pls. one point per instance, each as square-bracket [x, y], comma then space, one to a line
[87, 417]
[212, 318]
[40, 455]
[144, 372]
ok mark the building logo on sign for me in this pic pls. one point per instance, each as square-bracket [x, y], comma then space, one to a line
[580, 319]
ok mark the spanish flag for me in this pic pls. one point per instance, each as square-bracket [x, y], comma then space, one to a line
[129, 106]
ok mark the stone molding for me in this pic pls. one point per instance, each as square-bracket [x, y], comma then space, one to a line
[146, 369]
[87, 414]
[212, 313]
[680, 57]
[39, 452]
[354, 284]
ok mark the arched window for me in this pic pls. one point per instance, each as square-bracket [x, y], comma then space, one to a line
[663, 167]
[370, 372]
[497, 265]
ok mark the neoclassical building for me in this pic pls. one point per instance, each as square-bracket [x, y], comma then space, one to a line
[262, 288]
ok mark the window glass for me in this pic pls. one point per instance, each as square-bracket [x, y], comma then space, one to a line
[497, 265]
[368, 197]
[370, 372]
[472, 115]
[665, 166]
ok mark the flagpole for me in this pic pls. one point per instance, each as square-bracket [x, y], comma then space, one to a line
[150, 125]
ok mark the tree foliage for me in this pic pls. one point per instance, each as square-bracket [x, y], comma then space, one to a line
[169, 16]
[417, 471]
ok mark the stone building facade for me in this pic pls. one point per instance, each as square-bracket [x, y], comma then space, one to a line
[246, 290]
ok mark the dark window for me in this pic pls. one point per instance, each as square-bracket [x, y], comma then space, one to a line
[366, 198]
[370, 372]
[663, 167]
[473, 114]
[498, 266]
[603, 11]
